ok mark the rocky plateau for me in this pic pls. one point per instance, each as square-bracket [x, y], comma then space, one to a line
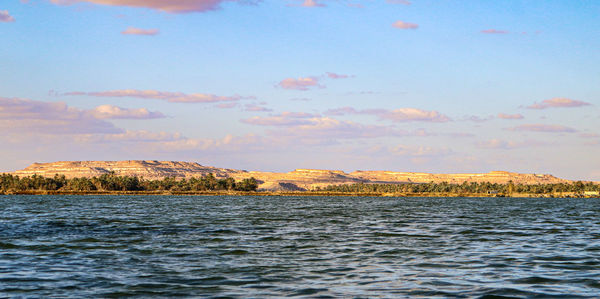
[299, 179]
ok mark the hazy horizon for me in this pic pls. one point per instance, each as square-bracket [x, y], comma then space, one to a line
[398, 85]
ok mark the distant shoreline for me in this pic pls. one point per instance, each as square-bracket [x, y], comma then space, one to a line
[209, 185]
[301, 179]
[296, 193]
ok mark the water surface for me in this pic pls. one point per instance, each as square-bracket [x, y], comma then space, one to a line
[113, 246]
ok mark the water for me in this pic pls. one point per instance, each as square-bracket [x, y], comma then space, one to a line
[166, 246]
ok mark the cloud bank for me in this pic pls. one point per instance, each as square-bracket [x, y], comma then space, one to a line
[29, 116]
[313, 129]
[30, 123]
[174, 97]
[171, 6]
[543, 128]
[558, 103]
[396, 115]
[114, 112]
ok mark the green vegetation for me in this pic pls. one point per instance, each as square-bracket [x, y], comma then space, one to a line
[111, 182]
[209, 184]
[466, 188]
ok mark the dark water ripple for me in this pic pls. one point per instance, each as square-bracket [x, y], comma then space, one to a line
[86, 246]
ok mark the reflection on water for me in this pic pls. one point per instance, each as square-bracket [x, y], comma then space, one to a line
[77, 246]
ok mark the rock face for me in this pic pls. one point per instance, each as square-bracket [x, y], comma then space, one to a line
[146, 169]
[299, 179]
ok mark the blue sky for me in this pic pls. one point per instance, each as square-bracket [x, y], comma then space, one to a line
[436, 86]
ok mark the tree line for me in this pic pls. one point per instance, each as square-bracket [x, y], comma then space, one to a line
[472, 187]
[111, 182]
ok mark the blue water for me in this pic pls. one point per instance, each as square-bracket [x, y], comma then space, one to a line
[166, 246]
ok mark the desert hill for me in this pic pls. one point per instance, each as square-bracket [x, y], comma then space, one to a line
[147, 169]
[299, 179]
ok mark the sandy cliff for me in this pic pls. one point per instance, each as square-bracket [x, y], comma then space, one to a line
[146, 169]
[299, 179]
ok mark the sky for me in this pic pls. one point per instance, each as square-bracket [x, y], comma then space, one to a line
[274, 85]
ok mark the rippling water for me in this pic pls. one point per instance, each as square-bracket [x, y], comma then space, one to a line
[113, 246]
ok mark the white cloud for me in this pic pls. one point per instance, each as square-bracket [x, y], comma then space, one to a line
[114, 112]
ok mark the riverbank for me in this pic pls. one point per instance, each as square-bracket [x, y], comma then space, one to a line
[296, 193]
